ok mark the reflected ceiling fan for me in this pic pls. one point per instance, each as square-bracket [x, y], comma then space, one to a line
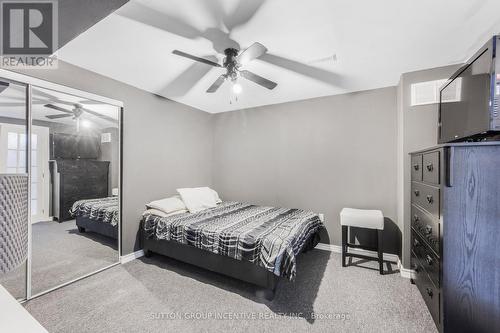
[233, 62]
[77, 112]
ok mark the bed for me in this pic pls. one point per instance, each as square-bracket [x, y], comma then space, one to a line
[253, 243]
[97, 215]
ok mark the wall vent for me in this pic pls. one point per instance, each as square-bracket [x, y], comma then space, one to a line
[424, 93]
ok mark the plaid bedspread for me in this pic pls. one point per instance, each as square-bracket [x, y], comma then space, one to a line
[266, 236]
[102, 210]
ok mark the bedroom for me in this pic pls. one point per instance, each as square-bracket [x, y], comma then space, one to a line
[334, 133]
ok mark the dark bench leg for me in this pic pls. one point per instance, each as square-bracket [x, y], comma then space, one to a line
[344, 244]
[380, 253]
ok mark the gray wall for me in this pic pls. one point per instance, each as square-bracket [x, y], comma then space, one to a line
[320, 154]
[417, 129]
[167, 144]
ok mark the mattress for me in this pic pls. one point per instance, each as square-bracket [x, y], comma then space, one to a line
[270, 237]
[103, 210]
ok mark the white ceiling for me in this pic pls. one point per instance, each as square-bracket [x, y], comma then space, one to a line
[373, 42]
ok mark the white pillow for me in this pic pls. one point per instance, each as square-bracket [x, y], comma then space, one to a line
[198, 198]
[168, 205]
[216, 197]
[161, 213]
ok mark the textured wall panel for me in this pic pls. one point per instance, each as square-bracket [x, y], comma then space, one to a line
[13, 221]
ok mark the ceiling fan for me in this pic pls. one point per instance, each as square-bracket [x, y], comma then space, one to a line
[77, 112]
[233, 62]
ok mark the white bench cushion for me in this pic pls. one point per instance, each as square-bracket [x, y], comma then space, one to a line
[362, 218]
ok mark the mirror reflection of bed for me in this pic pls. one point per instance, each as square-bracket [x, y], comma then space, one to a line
[75, 183]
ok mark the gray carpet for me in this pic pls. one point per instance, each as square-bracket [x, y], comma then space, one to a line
[61, 254]
[163, 295]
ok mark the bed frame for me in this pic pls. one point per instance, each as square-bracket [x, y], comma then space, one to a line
[238, 269]
[106, 229]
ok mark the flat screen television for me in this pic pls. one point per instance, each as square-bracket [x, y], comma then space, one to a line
[72, 147]
[473, 114]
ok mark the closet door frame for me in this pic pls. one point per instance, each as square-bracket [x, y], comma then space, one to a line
[30, 82]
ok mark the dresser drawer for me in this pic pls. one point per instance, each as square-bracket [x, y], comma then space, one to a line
[416, 167]
[430, 166]
[427, 227]
[426, 258]
[429, 292]
[427, 197]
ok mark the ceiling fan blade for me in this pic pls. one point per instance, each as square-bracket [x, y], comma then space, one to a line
[319, 74]
[213, 88]
[158, 19]
[58, 108]
[115, 121]
[56, 116]
[258, 79]
[216, 11]
[243, 13]
[253, 51]
[185, 81]
[195, 58]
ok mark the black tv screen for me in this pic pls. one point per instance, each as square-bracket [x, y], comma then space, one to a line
[468, 114]
[68, 146]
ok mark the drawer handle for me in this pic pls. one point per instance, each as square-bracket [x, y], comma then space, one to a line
[429, 260]
[430, 167]
[417, 193]
[428, 229]
[429, 292]
[416, 167]
[430, 199]
[416, 218]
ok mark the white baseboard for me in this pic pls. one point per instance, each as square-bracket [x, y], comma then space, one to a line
[131, 256]
[405, 272]
[329, 247]
[338, 249]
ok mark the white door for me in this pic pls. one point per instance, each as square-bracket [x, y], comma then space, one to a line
[13, 153]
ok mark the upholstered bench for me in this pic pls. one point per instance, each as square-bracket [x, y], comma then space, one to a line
[362, 218]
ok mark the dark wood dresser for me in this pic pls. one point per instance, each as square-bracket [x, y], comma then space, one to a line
[455, 234]
[73, 180]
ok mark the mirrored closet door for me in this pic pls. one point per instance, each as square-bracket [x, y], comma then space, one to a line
[74, 183]
[13, 187]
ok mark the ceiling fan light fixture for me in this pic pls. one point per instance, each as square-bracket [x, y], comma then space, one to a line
[86, 123]
[237, 88]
